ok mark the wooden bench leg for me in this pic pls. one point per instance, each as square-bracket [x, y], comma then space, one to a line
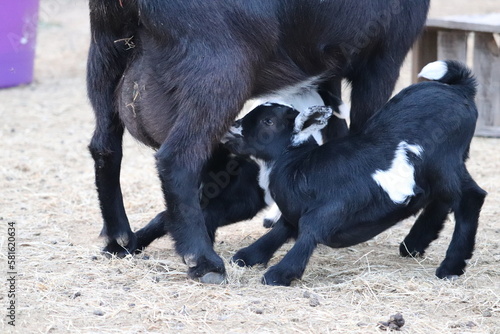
[487, 70]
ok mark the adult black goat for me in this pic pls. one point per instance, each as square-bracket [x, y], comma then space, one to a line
[176, 73]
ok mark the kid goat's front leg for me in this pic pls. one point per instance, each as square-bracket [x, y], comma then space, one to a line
[294, 263]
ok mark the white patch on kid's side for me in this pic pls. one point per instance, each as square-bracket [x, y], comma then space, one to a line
[434, 71]
[399, 180]
[314, 130]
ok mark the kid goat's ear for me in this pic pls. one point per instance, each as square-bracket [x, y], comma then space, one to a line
[310, 123]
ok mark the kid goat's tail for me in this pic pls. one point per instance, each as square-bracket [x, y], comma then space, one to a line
[451, 72]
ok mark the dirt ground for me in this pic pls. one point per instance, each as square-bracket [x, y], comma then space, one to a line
[64, 284]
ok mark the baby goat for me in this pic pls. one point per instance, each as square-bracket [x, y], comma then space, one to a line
[410, 156]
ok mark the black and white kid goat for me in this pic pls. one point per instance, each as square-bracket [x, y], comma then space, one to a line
[410, 156]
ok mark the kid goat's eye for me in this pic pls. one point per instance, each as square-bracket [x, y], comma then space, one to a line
[268, 121]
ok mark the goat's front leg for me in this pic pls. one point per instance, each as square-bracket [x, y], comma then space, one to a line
[294, 263]
[261, 251]
[372, 85]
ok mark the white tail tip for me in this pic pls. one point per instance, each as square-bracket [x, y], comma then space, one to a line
[434, 71]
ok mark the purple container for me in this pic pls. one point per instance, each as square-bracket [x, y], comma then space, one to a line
[18, 23]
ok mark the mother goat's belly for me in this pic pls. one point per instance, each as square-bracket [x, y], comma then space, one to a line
[143, 113]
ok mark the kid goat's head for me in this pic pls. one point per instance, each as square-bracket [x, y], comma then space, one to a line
[266, 131]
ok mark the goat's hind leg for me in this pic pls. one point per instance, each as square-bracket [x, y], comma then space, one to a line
[116, 229]
[199, 126]
[466, 212]
[184, 219]
[106, 63]
[426, 229]
[230, 193]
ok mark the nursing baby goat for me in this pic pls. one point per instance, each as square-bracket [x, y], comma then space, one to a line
[410, 156]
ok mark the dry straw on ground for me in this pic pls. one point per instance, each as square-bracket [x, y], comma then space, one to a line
[66, 286]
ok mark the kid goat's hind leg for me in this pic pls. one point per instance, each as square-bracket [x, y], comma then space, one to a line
[105, 67]
[426, 229]
[466, 211]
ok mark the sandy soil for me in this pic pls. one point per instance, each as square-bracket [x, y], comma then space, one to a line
[66, 286]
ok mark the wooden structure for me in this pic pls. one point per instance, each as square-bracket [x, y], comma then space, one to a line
[450, 38]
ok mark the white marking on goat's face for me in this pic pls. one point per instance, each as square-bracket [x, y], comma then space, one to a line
[264, 172]
[319, 116]
[434, 71]
[399, 180]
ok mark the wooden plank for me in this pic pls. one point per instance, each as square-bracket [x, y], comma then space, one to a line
[493, 132]
[486, 67]
[424, 52]
[480, 23]
[452, 45]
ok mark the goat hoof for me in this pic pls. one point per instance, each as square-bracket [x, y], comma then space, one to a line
[213, 278]
[275, 277]
[242, 258]
[408, 251]
[238, 262]
[450, 272]
[206, 271]
[113, 248]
